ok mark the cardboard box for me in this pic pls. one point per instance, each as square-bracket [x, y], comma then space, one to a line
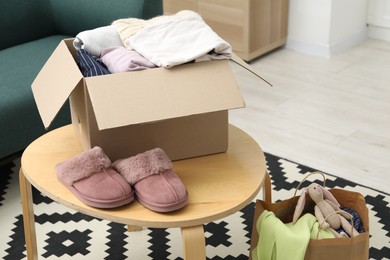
[183, 110]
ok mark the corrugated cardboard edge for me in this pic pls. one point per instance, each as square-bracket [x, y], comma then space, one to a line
[235, 58]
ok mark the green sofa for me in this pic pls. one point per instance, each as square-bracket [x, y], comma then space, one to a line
[30, 31]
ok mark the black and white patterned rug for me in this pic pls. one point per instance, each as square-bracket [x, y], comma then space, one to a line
[65, 234]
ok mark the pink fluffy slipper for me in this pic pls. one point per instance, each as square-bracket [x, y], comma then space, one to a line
[90, 177]
[156, 186]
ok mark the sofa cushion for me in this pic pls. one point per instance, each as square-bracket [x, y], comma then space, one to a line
[19, 115]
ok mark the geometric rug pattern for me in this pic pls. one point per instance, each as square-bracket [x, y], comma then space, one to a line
[65, 234]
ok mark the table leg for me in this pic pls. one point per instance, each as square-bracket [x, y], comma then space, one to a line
[131, 228]
[194, 242]
[28, 217]
[267, 189]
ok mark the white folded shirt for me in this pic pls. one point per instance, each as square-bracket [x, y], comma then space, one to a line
[94, 41]
[179, 39]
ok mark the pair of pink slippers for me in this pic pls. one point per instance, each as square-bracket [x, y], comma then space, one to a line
[148, 176]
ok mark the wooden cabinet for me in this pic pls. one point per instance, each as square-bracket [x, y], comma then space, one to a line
[252, 27]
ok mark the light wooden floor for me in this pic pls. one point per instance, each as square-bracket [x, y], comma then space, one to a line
[332, 114]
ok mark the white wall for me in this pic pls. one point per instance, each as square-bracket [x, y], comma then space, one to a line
[326, 27]
[348, 24]
[308, 25]
[379, 19]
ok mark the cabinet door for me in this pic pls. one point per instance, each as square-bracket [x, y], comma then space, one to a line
[229, 19]
[379, 13]
[173, 6]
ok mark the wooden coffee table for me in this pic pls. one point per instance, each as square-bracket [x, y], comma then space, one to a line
[218, 185]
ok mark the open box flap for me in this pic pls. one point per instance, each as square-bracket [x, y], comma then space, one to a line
[55, 82]
[235, 58]
[157, 94]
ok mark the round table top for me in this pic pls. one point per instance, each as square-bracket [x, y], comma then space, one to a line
[218, 185]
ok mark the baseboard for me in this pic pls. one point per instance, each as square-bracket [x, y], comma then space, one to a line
[379, 33]
[327, 50]
[308, 48]
[349, 42]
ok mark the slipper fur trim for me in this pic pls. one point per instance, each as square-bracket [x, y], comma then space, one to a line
[138, 167]
[83, 165]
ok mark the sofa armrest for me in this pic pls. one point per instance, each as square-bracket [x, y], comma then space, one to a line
[74, 16]
[152, 8]
[23, 21]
